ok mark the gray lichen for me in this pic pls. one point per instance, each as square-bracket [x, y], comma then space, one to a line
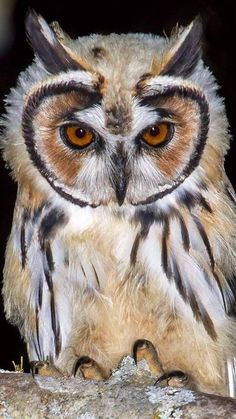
[169, 400]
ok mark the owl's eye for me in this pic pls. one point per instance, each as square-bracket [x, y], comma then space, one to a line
[158, 134]
[77, 136]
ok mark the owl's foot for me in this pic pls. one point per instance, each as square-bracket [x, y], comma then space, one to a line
[173, 379]
[144, 349]
[44, 368]
[89, 369]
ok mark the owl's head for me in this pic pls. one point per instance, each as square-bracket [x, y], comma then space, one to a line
[117, 119]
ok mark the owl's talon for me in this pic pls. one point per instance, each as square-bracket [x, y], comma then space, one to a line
[173, 379]
[144, 349]
[45, 369]
[89, 369]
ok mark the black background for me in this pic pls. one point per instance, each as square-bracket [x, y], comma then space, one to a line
[77, 18]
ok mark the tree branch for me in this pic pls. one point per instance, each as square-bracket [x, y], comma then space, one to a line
[129, 393]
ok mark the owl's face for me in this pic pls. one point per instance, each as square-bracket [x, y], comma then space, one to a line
[122, 119]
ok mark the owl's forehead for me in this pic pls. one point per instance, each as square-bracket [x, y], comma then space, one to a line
[120, 59]
[116, 70]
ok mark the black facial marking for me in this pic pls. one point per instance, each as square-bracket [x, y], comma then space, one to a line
[187, 55]
[87, 97]
[164, 113]
[141, 83]
[25, 219]
[185, 93]
[52, 54]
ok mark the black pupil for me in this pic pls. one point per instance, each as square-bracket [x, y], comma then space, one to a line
[154, 131]
[80, 132]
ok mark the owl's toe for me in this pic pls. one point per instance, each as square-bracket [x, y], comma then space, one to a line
[44, 368]
[144, 349]
[89, 369]
[173, 379]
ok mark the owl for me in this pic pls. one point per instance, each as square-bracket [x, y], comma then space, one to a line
[124, 226]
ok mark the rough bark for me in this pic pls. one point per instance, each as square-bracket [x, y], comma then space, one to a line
[129, 393]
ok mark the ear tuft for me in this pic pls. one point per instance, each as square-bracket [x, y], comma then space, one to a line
[186, 51]
[47, 45]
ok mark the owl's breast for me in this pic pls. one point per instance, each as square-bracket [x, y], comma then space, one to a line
[166, 264]
[98, 251]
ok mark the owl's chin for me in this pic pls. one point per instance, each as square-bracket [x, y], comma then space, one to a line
[153, 197]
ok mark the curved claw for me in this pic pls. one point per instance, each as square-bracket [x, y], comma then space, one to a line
[89, 369]
[44, 368]
[172, 379]
[144, 349]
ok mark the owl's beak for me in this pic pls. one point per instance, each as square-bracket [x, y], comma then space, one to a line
[119, 178]
[120, 189]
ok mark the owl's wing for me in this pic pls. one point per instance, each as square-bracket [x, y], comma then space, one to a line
[198, 259]
[34, 277]
[231, 362]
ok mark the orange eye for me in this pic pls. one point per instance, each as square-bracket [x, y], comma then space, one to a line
[78, 136]
[158, 134]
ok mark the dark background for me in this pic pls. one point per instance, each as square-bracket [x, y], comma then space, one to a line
[77, 18]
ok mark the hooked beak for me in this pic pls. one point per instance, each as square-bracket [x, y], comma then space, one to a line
[120, 189]
[119, 179]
